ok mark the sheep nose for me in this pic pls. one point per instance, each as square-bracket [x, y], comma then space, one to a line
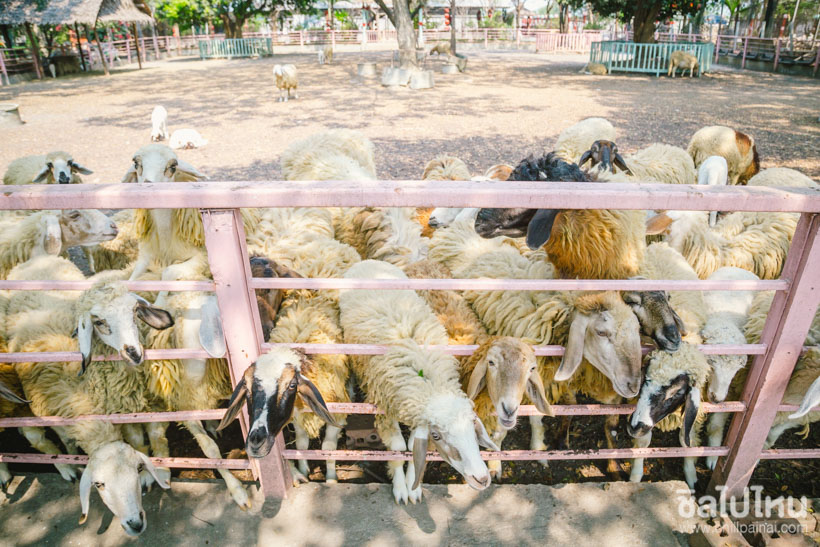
[433, 223]
[137, 525]
[64, 179]
[258, 436]
[508, 412]
[134, 355]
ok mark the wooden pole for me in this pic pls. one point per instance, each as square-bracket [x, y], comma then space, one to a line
[35, 54]
[100, 50]
[136, 43]
[79, 46]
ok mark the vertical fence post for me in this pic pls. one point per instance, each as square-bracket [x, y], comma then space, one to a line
[717, 48]
[784, 333]
[128, 49]
[3, 69]
[816, 61]
[228, 258]
[776, 54]
[745, 49]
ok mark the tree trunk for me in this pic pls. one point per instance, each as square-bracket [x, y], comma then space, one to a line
[563, 19]
[79, 46]
[768, 18]
[137, 44]
[404, 34]
[453, 26]
[100, 51]
[35, 51]
[644, 24]
[7, 39]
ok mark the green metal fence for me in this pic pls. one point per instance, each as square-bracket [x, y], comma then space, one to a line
[235, 47]
[652, 58]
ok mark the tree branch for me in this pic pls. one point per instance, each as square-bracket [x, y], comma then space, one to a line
[387, 11]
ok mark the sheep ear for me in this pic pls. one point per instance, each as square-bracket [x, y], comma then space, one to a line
[679, 322]
[478, 379]
[658, 224]
[9, 395]
[284, 271]
[586, 156]
[77, 168]
[712, 218]
[238, 397]
[540, 227]
[621, 164]
[536, 393]
[574, 351]
[690, 413]
[313, 398]
[482, 436]
[419, 457]
[85, 492]
[53, 238]
[42, 175]
[153, 470]
[152, 316]
[810, 400]
[84, 333]
[187, 173]
[210, 329]
[130, 175]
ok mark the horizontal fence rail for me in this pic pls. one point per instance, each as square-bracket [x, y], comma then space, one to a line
[235, 288]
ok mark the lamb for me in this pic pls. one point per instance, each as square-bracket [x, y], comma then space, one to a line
[714, 171]
[577, 139]
[683, 60]
[442, 48]
[50, 233]
[326, 55]
[670, 398]
[738, 149]
[159, 120]
[415, 387]
[286, 80]
[52, 168]
[613, 241]
[657, 162]
[186, 139]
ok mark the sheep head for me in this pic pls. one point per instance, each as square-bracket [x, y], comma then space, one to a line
[269, 300]
[673, 380]
[506, 367]
[723, 367]
[271, 386]
[85, 227]
[109, 312]
[158, 163]
[60, 168]
[605, 155]
[114, 470]
[605, 332]
[657, 318]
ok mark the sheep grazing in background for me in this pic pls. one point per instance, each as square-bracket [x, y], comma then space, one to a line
[670, 398]
[52, 168]
[577, 139]
[159, 121]
[287, 80]
[50, 233]
[186, 139]
[439, 168]
[656, 163]
[682, 60]
[595, 68]
[442, 48]
[737, 148]
[412, 386]
[326, 55]
[714, 171]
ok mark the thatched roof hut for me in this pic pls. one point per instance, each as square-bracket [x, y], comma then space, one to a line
[54, 12]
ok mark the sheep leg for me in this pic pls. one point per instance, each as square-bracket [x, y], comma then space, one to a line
[159, 446]
[495, 465]
[390, 433]
[637, 464]
[537, 437]
[689, 471]
[714, 430]
[140, 267]
[187, 269]
[414, 495]
[561, 440]
[776, 432]
[302, 442]
[5, 477]
[68, 441]
[331, 442]
[611, 433]
[211, 450]
[36, 436]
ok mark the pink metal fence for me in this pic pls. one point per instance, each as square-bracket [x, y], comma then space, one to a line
[552, 42]
[798, 294]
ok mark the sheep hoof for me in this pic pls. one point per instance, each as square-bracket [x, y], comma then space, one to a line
[68, 472]
[400, 493]
[299, 478]
[331, 481]
[240, 496]
[636, 475]
[4, 485]
[415, 495]
[246, 506]
[711, 462]
[545, 463]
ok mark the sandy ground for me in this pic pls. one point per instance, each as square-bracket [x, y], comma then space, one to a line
[504, 107]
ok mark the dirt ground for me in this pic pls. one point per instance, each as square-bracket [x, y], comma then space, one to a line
[504, 107]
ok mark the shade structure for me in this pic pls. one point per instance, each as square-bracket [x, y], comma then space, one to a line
[55, 12]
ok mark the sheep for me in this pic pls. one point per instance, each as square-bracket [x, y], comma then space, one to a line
[389, 234]
[670, 398]
[802, 390]
[171, 241]
[326, 55]
[714, 171]
[738, 149]
[810, 400]
[577, 139]
[441, 217]
[186, 139]
[441, 167]
[683, 60]
[586, 244]
[159, 120]
[782, 177]
[52, 168]
[415, 387]
[660, 163]
[286, 80]
[11, 404]
[338, 154]
[120, 252]
[50, 233]
[442, 48]
[594, 68]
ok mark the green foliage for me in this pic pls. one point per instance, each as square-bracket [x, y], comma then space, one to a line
[185, 13]
[346, 21]
[625, 10]
[496, 21]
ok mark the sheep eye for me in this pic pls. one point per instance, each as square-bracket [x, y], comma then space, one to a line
[99, 323]
[50, 165]
[99, 485]
[602, 333]
[74, 215]
[172, 167]
[293, 384]
[491, 363]
[140, 468]
[436, 436]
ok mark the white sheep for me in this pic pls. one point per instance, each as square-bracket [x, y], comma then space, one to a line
[684, 60]
[159, 121]
[714, 171]
[119, 253]
[337, 154]
[52, 168]
[737, 148]
[50, 233]
[186, 139]
[577, 139]
[415, 387]
[390, 234]
[659, 163]
[670, 397]
[286, 80]
[326, 55]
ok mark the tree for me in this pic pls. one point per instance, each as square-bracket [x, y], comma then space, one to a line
[645, 13]
[402, 15]
[185, 13]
